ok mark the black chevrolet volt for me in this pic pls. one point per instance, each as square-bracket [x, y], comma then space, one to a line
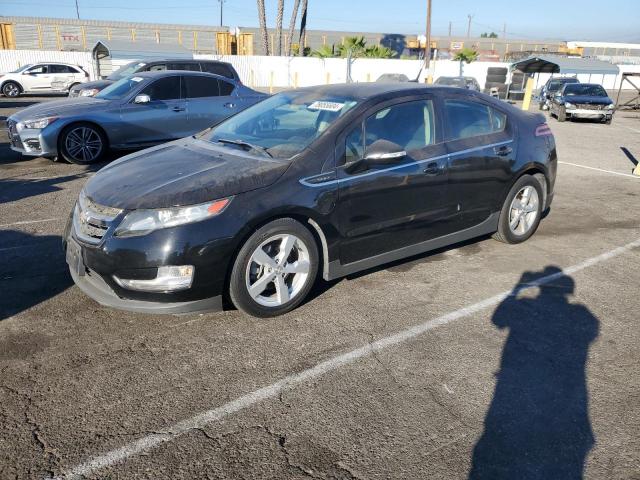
[322, 181]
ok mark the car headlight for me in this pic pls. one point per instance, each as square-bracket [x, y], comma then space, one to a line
[89, 92]
[611, 106]
[569, 105]
[39, 123]
[141, 222]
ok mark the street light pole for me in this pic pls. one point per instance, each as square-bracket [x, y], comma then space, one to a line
[221, 5]
[427, 46]
[77, 11]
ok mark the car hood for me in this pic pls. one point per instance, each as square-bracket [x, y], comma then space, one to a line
[183, 172]
[99, 84]
[588, 99]
[58, 108]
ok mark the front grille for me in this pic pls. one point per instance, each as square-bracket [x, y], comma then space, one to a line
[590, 106]
[12, 131]
[91, 220]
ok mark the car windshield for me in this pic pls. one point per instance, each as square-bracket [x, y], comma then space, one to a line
[281, 126]
[126, 70]
[119, 89]
[22, 68]
[585, 90]
[555, 85]
[451, 81]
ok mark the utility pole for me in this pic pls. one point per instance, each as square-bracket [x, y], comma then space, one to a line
[449, 28]
[427, 47]
[504, 30]
[469, 26]
[221, 5]
[77, 11]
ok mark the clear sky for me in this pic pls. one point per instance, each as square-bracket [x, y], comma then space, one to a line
[613, 20]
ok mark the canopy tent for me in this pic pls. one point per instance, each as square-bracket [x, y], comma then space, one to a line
[113, 53]
[564, 65]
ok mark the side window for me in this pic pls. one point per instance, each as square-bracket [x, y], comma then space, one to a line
[410, 125]
[218, 69]
[198, 87]
[156, 68]
[58, 69]
[167, 88]
[354, 146]
[40, 69]
[226, 88]
[471, 119]
[193, 67]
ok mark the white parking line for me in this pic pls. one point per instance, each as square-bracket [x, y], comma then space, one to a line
[208, 417]
[600, 170]
[28, 222]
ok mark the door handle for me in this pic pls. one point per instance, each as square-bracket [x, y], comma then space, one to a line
[432, 169]
[502, 151]
[178, 109]
[229, 105]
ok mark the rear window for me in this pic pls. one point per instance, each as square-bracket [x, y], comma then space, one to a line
[190, 66]
[218, 69]
[468, 119]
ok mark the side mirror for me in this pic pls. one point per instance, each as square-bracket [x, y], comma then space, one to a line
[383, 152]
[142, 99]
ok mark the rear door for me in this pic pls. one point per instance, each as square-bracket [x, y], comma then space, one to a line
[163, 118]
[391, 207]
[481, 142]
[209, 100]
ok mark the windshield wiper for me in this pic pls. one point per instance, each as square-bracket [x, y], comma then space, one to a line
[247, 145]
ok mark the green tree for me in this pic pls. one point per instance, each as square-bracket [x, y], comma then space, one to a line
[352, 47]
[466, 55]
[489, 35]
[378, 51]
[325, 51]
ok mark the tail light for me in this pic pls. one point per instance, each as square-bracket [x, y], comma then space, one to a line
[543, 130]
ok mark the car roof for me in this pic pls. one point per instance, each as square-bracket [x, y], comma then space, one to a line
[190, 73]
[180, 60]
[366, 90]
[54, 63]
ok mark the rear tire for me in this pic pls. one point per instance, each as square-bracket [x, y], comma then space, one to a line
[11, 90]
[562, 114]
[82, 144]
[521, 212]
[275, 269]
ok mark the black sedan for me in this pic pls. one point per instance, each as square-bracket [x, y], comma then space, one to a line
[322, 181]
[582, 100]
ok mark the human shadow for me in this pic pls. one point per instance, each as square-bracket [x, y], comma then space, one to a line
[32, 270]
[538, 426]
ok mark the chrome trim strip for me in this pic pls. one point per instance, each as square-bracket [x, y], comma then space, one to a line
[304, 181]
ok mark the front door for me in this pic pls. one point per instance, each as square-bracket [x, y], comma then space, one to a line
[37, 78]
[390, 207]
[481, 146]
[163, 118]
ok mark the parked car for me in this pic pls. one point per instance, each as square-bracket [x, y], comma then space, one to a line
[42, 78]
[549, 89]
[460, 82]
[137, 111]
[90, 89]
[328, 180]
[582, 100]
[393, 78]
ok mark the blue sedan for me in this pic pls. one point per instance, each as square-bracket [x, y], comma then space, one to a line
[137, 111]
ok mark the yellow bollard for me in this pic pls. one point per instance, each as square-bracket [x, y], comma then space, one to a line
[271, 82]
[368, 77]
[328, 78]
[295, 80]
[636, 171]
[528, 92]
[429, 80]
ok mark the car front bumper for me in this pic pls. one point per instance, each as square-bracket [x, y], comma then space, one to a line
[32, 142]
[587, 113]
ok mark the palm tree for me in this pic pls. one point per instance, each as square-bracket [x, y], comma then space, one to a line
[352, 47]
[325, 51]
[292, 26]
[466, 55]
[303, 27]
[262, 17]
[279, 15]
[378, 51]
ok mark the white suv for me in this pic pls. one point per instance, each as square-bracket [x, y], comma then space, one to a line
[42, 78]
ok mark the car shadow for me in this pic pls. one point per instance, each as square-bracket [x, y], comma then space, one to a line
[538, 426]
[13, 189]
[32, 270]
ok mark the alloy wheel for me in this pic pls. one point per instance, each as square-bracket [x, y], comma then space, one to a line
[11, 90]
[278, 270]
[83, 144]
[523, 210]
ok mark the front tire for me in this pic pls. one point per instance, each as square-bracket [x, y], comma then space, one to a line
[275, 269]
[82, 144]
[562, 114]
[521, 212]
[11, 90]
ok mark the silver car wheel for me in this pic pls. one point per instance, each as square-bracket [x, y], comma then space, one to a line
[83, 144]
[523, 210]
[277, 270]
[11, 90]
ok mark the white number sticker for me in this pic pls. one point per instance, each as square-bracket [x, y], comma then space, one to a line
[327, 106]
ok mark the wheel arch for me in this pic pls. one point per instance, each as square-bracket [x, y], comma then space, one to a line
[11, 80]
[538, 172]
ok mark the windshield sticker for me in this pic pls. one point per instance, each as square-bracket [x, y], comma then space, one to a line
[326, 106]
[137, 79]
